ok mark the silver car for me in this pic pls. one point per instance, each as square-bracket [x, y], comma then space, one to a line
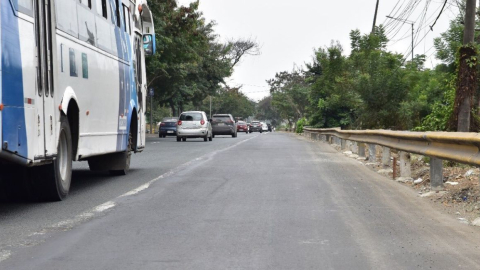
[193, 124]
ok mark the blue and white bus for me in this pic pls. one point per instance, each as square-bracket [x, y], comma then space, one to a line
[72, 86]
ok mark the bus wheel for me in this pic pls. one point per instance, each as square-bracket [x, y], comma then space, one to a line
[59, 174]
[125, 158]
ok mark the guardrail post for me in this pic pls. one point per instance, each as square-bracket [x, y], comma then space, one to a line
[372, 153]
[405, 165]
[343, 144]
[361, 149]
[386, 156]
[436, 173]
[353, 147]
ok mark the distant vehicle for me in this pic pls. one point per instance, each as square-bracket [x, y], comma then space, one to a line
[264, 126]
[255, 126]
[242, 127]
[168, 127]
[224, 124]
[194, 124]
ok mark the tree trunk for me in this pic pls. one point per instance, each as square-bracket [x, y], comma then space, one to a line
[466, 86]
[172, 107]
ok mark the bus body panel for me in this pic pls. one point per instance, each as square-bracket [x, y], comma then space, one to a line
[14, 135]
[96, 73]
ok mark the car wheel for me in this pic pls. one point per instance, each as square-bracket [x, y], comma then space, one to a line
[205, 138]
[184, 139]
[178, 139]
[211, 137]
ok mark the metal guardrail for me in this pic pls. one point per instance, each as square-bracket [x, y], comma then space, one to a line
[462, 147]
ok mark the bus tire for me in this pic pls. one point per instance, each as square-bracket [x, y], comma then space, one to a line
[124, 159]
[58, 177]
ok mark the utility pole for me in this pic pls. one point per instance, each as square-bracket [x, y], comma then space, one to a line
[210, 107]
[405, 21]
[467, 75]
[375, 17]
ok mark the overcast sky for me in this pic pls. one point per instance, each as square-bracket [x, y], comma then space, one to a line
[288, 31]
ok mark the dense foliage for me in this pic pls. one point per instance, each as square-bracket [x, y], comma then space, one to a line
[191, 64]
[372, 88]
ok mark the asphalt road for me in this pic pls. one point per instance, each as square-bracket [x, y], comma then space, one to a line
[258, 201]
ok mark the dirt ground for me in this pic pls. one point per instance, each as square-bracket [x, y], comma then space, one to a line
[460, 196]
[461, 192]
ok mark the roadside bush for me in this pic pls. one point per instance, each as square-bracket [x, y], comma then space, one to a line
[299, 126]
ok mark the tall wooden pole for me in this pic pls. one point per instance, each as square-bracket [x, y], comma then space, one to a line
[467, 71]
[375, 17]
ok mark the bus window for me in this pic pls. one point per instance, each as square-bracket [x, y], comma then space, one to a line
[126, 19]
[67, 16]
[61, 56]
[104, 9]
[84, 66]
[117, 13]
[86, 25]
[26, 7]
[73, 64]
[87, 3]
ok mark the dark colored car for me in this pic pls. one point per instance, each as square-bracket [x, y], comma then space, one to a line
[224, 124]
[168, 127]
[242, 127]
[255, 126]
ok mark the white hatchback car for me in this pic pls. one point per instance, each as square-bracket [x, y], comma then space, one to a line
[264, 126]
[194, 124]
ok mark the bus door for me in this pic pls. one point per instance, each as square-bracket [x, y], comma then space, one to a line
[139, 87]
[45, 114]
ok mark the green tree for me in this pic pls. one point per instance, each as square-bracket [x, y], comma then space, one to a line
[289, 91]
[190, 64]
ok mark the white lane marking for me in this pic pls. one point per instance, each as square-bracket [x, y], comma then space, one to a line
[105, 206]
[5, 254]
[87, 215]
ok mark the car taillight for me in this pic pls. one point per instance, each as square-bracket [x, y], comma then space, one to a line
[179, 123]
[162, 124]
[230, 121]
[202, 122]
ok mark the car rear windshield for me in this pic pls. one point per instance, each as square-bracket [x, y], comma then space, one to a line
[169, 119]
[221, 118]
[241, 123]
[191, 117]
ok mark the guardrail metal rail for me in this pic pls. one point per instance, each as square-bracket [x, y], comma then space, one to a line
[462, 147]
